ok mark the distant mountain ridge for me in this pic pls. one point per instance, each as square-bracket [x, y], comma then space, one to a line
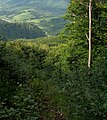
[42, 7]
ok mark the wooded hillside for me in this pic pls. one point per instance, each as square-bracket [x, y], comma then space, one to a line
[14, 30]
[48, 78]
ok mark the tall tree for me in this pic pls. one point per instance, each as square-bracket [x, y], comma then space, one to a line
[78, 14]
[90, 23]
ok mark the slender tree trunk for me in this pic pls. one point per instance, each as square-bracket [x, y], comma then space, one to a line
[90, 30]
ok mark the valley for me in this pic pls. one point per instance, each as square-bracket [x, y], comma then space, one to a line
[46, 14]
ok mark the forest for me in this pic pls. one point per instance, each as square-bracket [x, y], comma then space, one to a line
[48, 78]
[14, 30]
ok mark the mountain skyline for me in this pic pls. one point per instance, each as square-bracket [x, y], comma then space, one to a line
[10, 8]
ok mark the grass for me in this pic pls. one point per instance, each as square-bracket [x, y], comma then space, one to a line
[42, 19]
[24, 16]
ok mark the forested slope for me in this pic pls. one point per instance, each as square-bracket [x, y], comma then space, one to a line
[15, 30]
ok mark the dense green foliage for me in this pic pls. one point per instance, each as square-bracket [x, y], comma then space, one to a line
[78, 15]
[10, 30]
[48, 78]
[26, 91]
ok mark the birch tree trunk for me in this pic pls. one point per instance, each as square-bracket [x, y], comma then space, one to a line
[90, 30]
